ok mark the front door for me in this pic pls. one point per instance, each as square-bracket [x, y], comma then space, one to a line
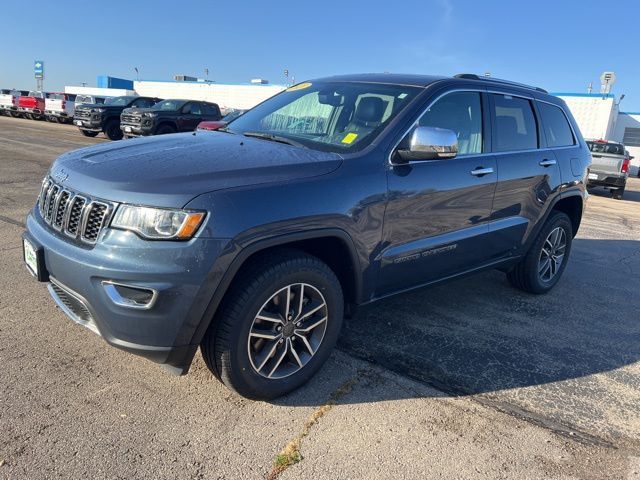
[437, 218]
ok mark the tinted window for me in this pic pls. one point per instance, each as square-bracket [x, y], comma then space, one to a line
[196, 109]
[604, 147]
[514, 124]
[143, 103]
[556, 126]
[460, 112]
[211, 109]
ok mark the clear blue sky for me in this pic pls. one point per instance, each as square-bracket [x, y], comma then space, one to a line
[559, 45]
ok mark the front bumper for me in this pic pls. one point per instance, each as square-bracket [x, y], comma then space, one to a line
[181, 273]
[91, 124]
[137, 130]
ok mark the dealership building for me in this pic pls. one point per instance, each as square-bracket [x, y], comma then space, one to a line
[598, 114]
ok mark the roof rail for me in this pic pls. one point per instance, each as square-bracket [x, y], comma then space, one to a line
[473, 76]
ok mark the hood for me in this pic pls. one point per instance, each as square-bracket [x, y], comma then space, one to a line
[170, 170]
[139, 111]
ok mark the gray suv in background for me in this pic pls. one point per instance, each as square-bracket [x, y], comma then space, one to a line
[253, 241]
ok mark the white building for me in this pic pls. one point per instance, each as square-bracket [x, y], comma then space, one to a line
[227, 96]
[599, 117]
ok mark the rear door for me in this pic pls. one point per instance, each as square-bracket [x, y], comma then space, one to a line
[437, 218]
[528, 172]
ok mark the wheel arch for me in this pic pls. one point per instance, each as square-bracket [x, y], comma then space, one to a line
[573, 206]
[329, 245]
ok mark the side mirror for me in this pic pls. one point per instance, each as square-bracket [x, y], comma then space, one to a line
[430, 143]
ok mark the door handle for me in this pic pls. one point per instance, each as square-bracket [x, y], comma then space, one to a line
[480, 171]
[547, 163]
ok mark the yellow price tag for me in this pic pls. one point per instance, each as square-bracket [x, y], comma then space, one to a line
[300, 86]
[349, 138]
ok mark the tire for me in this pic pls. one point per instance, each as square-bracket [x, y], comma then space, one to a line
[265, 369]
[53, 119]
[112, 130]
[617, 193]
[89, 133]
[526, 274]
[165, 129]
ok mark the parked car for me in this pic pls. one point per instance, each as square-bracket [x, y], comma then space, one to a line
[32, 106]
[60, 107]
[9, 99]
[218, 124]
[610, 167]
[167, 116]
[92, 119]
[89, 99]
[336, 192]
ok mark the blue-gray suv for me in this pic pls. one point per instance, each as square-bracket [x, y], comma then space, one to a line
[252, 242]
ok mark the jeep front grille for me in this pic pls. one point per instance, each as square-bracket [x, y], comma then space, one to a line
[77, 215]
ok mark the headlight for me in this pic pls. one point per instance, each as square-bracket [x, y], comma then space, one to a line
[158, 223]
[98, 110]
[150, 115]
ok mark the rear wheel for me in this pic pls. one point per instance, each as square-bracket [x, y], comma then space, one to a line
[112, 130]
[165, 129]
[617, 193]
[544, 263]
[89, 133]
[276, 326]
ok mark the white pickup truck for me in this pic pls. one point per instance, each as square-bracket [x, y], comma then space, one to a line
[610, 166]
[9, 101]
[60, 107]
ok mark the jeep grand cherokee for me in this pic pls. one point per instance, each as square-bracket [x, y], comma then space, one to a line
[252, 242]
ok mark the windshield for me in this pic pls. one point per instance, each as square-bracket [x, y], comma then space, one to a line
[610, 148]
[169, 105]
[329, 116]
[118, 101]
[56, 96]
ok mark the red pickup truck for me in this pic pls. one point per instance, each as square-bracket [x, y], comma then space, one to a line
[32, 106]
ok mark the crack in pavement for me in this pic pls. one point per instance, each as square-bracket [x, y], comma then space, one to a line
[11, 221]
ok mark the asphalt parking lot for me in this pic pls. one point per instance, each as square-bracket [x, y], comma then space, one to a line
[472, 379]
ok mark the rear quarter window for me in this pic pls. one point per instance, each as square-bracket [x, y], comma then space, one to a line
[556, 126]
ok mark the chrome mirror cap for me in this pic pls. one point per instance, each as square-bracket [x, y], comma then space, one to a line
[430, 143]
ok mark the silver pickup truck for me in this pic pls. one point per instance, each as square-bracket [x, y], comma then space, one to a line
[610, 167]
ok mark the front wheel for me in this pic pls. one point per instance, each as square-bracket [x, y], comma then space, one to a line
[543, 265]
[276, 326]
[112, 130]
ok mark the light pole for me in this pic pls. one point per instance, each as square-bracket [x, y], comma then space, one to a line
[137, 73]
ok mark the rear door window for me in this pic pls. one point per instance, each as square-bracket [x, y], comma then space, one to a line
[556, 126]
[514, 124]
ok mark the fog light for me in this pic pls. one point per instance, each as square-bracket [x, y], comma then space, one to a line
[130, 296]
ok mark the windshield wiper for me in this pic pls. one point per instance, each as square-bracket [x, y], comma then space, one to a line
[274, 138]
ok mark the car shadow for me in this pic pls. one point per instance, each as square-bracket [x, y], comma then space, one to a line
[479, 334]
[630, 194]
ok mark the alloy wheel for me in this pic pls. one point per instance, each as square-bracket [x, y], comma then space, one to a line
[552, 254]
[287, 331]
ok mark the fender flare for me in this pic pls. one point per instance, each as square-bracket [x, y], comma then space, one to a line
[255, 247]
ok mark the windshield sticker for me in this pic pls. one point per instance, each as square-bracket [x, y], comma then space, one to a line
[349, 138]
[300, 86]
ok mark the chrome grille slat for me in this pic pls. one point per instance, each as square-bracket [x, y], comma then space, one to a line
[79, 217]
